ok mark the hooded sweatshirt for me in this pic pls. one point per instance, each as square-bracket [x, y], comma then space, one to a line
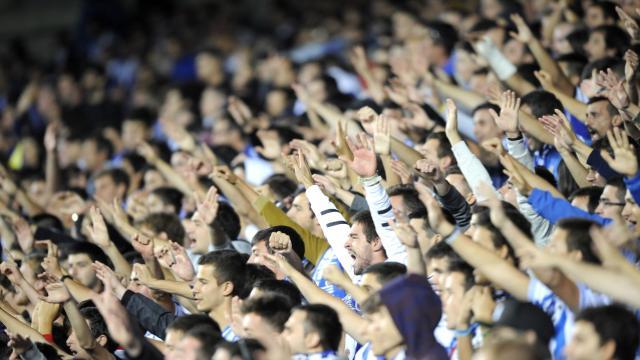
[416, 311]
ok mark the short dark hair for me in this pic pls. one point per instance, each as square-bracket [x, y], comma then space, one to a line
[614, 38]
[614, 323]
[579, 238]
[253, 274]
[273, 308]
[483, 219]
[592, 192]
[141, 114]
[598, 65]
[188, 322]
[610, 108]
[486, 106]
[97, 326]
[241, 347]
[463, 267]
[410, 198]
[93, 251]
[296, 241]
[575, 62]
[443, 34]
[102, 144]
[542, 103]
[281, 185]
[170, 196]
[386, 271]
[608, 8]
[227, 220]
[441, 250]
[230, 266]
[117, 175]
[325, 321]
[169, 224]
[444, 146]
[208, 338]
[369, 228]
[282, 288]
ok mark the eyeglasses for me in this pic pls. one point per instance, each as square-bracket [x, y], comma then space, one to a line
[609, 203]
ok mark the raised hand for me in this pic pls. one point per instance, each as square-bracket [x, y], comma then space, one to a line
[108, 276]
[405, 233]
[429, 172]
[57, 293]
[544, 79]
[115, 316]
[436, 217]
[382, 136]
[631, 62]
[629, 24]
[494, 146]
[507, 121]
[143, 245]
[419, 117]
[164, 256]
[311, 152]
[342, 148]
[280, 242]
[271, 147]
[147, 152]
[558, 125]
[143, 274]
[333, 274]
[613, 88]
[98, 230]
[326, 183]
[518, 180]
[23, 234]
[451, 129]
[10, 270]
[302, 171]
[625, 161]
[224, 173]
[182, 266]
[524, 34]
[364, 162]
[208, 208]
[483, 305]
[402, 170]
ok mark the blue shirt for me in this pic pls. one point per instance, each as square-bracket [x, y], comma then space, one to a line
[329, 258]
[555, 209]
[549, 158]
[229, 335]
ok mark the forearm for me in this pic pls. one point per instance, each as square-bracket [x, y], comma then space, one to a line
[241, 204]
[79, 325]
[17, 327]
[151, 316]
[51, 173]
[474, 172]
[518, 84]
[405, 153]
[120, 264]
[78, 291]
[577, 171]
[574, 106]
[466, 98]
[452, 201]
[534, 128]
[415, 262]
[179, 288]
[549, 65]
[392, 178]
[176, 179]
[28, 205]
[582, 151]
[534, 180]
[28, 289]
[358, 294]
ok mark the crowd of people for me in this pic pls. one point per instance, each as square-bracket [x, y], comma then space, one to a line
[330, 180]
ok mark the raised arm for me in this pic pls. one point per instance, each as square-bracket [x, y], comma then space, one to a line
[100, 236]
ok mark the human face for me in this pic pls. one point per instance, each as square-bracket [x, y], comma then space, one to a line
[187, 349]
[581, 202]
[558, 242]
[515, 52]
[207, 66]
[76, 350]
[359, 248]
[595, 17]
[156, 205]
[208, 293]
[89, 155]
[509, 193]
[611, 204]
[106, 189]
[452, 294]
[585, 344]
[370, 283]
[198, 234]
[171, 342]
[484, 127]
[382, 332]
[399, 209]
[134, 133]
[153, 180]
[300, 211]
[79, 267]
[599, 120]
[596, 47]
[259, 249]
[631, 213]
[594, 178]
[294, 333]
[255, 325]
[430, 152]
[560, 43]
[435, 270]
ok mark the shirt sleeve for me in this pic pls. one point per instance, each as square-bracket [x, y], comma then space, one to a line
[314, 246]
[596, 161]
[541, 228]
[457, 206]
[633, 185]
[151, 316]
[334, 226]
[471, 167]
[381, 213]
[555, 209]
[518, 150]
[589, 298]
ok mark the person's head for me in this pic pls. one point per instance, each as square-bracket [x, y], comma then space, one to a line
[513, 319]
[601, 117]
[437, 149]
[136, 128]
[300, 211]
[279, 287]
[99, 332]
[265, 315]
[572, 65]
[600, 13]
[96, 151]
[224, 228]
[604, 333]
[403, 315]
[181, 325]
[80, 257]
[484, 128]
[277, 187]
[153, 179]
[539, 103]
[239, 350]
[404, 202]
[313, 329]
[363, 243]
[111, 184]
[605, 41]
[560, 44]
[611, 200]
[571, 238]
[198, 343]
[510, 349]
[631, 213]
[488, 236]
[220, 276]
[164, 200]
[260, 242]
[375, 276]
[440, 40]
[587, 198]
[457, 281]
[438, 258]
[209, 67]
[164, 226]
